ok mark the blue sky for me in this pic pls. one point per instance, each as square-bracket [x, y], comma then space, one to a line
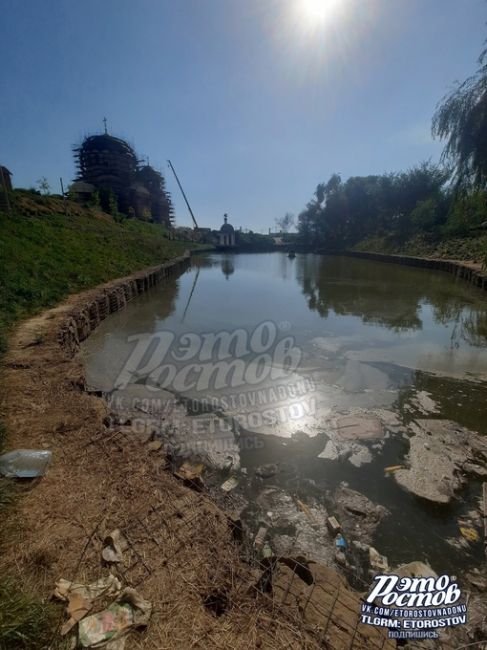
[253, 101]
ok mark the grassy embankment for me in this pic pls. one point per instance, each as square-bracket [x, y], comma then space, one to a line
[469, 248]
[44, 256]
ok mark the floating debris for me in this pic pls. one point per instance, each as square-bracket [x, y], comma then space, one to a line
[266, 471]
[352, 427]
[423, 402]
[438, 450]
[260, 537]
[393, 468]
[340, 541]
[333, 526]
[415, 570]
[305, 509]
[229, 484]
[266, 551]
[378, 561]
[470, 534]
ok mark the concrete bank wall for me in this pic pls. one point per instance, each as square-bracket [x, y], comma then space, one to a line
[469, 271]
[111, 297]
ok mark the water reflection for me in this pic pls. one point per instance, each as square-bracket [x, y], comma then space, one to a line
[392, 296]
[375, 338]
[227, 266]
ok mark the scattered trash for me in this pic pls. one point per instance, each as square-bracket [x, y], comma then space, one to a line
[259, 538]
[415, 570]
[229, 484]
[114, 545]
[236, 526]
[266, 551]
[80, 597]
[25, 463]
[333, 526]
[340, 541]
[266, 471]
[470, 534]
[155, 445]
[459, 543]
[306, 510]
[130, 610]
[478, 580]
[360, 456]
[330, 452]
[357, 514]
[393, 468]
[378, 561]
[108, 586]
[77, 608]
[191, 474]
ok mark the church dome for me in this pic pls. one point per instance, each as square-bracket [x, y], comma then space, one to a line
[106, 142]
[227, 227]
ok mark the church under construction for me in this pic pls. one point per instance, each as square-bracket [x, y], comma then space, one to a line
[108, 169]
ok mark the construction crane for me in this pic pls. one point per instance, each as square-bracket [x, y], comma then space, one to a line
[184, 195]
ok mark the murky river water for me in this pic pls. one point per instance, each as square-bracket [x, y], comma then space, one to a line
[309, 340]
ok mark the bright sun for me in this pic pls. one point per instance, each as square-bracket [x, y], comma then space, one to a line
[317, 11]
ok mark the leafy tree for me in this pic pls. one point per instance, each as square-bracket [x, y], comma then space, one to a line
[398, 205]
[43, 185]
[461, 119]
[467, 211]
[286, 222]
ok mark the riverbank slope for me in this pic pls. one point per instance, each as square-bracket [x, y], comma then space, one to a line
[48, 250]
[472, 248]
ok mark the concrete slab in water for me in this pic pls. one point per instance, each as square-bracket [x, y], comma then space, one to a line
[353, 427]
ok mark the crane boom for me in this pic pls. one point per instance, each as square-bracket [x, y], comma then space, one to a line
[184, 195]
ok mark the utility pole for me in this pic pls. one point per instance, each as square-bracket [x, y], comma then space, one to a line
[5, 190]
[64, 197]
[184, 195]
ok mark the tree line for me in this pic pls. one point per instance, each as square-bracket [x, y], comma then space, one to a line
[434, 201]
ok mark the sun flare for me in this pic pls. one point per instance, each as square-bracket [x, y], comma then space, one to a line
[318, 11]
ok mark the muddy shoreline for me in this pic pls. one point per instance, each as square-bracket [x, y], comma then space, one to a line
[101, 479]
[183, 555]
